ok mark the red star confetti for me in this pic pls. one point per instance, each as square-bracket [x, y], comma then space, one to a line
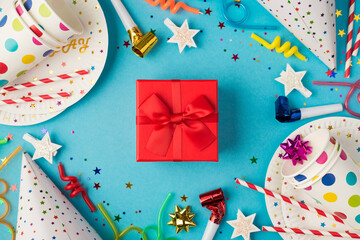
[10, 137]
[97, 185]
[208, 11]
[13, 187]
[126, 44]
[221, 25]
[329, 72]
[235, 57]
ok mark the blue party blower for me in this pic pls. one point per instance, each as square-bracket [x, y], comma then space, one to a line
[284, 114]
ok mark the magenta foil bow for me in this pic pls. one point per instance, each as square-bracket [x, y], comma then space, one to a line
[296, 150]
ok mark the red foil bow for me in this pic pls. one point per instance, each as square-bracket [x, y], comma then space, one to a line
[166, 122]
[296, 150]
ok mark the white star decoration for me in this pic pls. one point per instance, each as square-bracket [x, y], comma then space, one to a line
[243, 226]
[43, 148]
[183, 36]
[292, 80]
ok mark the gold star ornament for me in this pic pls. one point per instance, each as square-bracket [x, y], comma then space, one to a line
[182, 219]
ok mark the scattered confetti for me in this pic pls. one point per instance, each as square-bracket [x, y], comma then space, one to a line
[356, 17]
[208, 11]
[338, 13]
[10, 137]
[13, 188]
[117, 218]
[235, 57]
[253, 160]
[129, 185]
[126, 44]
[221, 25]
[97, 170]
[341, 33]
[44, 130]
[183, 198]
[97, 185]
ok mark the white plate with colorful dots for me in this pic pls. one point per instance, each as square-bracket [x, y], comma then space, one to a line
[347, 130]
[85, 52]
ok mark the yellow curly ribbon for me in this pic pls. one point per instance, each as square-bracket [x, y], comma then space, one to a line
[285, 48]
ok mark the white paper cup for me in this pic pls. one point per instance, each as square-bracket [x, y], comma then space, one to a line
[56, 17]
[20, 48]
[35, 27]
[328, 155]
[338, 189]
[322, 148]
[316, 175]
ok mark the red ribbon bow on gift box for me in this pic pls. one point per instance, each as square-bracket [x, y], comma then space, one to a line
[165, 123]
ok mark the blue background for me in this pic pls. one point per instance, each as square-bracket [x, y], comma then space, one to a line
[104, 121]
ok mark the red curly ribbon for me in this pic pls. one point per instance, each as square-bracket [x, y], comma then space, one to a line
[75, 186]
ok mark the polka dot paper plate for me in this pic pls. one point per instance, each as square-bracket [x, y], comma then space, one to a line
[347, 131]
[84, 52]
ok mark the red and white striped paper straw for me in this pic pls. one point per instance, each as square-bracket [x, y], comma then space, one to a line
[289, 200]
[311, 232]
[357, 44]
[35, 98]
[349, 38]
[45, 81]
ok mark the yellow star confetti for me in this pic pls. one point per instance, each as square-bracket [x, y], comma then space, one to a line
[341, 33]
[338, 13]
[357, 17]
[183, 198]
[129, 185]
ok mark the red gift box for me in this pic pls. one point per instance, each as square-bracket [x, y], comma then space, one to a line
[176, 120]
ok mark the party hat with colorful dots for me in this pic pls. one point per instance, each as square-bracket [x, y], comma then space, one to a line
[312, 22]
[44, 212]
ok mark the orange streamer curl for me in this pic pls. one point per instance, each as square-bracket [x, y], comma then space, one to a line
[174, 7]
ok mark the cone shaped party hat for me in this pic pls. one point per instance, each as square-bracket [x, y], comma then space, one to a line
[44, 212]
[312, 22]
